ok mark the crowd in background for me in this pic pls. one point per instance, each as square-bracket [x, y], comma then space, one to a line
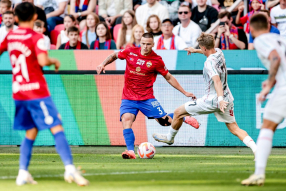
[117, 24]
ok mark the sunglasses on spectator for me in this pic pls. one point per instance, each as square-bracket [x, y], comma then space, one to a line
[166, 25]
[185, 12]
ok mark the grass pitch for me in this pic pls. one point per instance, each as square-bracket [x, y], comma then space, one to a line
[173, 168]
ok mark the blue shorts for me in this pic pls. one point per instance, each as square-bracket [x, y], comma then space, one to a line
[40, 113]
[151, 108]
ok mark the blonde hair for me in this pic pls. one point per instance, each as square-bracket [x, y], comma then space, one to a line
[206, 40]
[132, 39]
[148, 28]
[96, 18]
[124, 27]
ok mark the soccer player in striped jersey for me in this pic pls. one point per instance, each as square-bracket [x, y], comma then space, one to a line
[217, 99]
[271, 50]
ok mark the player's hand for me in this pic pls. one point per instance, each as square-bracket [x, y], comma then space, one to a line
[57, 63]
[223, 105]
[190, 50]
[265, 91]
[100, 68]
[264, 83]
[189, 94]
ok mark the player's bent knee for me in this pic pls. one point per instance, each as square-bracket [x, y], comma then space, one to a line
[179, 112]
[164, 122]
[56, 129]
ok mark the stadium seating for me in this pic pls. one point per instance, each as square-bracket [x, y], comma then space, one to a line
[53, 47]
[54, 36]
[60, 27]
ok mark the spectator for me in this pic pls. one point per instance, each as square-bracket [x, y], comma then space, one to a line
[151, 7]
[154, 25]
[168, 41]
[194, 3]
[55, 11]
[137, 33]
[74, 42]
[41, 15]
[229, 37]
[8, 20]
[89, 35]
[80, 9]
[255, 6]
[124, 34]
[111, 11]
[39, 28]
[188, 29]
[5, 5]
[69, 21]
[136, 4]
[272, 29]
[172, 7]
[278, 15]
[103, 41]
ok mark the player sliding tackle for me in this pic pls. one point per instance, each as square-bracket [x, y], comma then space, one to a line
[142, 67]
[271, 51]
[217, 99]
[35, 110]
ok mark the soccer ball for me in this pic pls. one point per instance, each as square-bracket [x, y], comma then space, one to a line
[146, 150]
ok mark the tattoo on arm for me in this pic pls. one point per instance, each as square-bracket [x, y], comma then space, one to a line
[110, 59]
[274, 65]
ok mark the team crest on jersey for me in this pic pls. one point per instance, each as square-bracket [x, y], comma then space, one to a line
[138, 69]
[149, 64]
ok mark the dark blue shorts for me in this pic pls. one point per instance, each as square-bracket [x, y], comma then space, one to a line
[40, 113]
[151, 108]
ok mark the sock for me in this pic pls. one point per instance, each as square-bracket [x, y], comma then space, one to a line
[129, 139]
[70, 168]
[172, 133]
[63, 148]
[248, 141]
[22, 172]
[26, 153]
[172, 116]
[264, 146]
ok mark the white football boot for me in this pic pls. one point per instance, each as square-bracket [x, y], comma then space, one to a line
[24, 177]
[254, 180]
[162, 138]
[76, 177]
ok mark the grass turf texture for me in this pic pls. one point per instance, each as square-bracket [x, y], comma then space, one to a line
[173, 168]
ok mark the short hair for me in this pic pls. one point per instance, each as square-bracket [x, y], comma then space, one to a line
[73, 29]
[148, 35]
[39, 23]
[184, 5]
[8, 13]
[259, 22]
[108, 34]
[206, 40]
[265, 11]
[7, 2]
[25, 11]
[223, 14]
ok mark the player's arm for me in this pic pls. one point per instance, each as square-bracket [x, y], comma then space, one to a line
[44, 60]
[173, 82]
[191, 50]
[111, 58]
[274, 59]
[219, 92]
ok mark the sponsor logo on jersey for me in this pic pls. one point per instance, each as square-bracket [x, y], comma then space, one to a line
[133, 54]
[149, 64]
[41, 44]
[165, 68]
[140, 62]
[138, 69]
[155, 103]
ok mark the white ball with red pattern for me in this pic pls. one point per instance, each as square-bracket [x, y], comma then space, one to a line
[146, 150]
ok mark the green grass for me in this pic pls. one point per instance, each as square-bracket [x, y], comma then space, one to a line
[173, 168]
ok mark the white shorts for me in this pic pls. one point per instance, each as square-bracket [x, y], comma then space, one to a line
[199, 107]
[275, 109]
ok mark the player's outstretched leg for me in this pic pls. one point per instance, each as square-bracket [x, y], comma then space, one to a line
[167, 120]
[63, 149]
[264, 146]
[24, 177]
[242, 135]
[177, 122]
[127, 121]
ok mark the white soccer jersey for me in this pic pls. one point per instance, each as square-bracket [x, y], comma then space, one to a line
[215, 65]
[264, 45]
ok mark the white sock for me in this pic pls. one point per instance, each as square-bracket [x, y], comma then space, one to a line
[23, 172]
[70, 168]
[172, 133]
[248, 141]
[264, 146]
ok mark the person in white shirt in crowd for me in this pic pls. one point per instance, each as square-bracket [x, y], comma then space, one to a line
[55, 11]
[89, 35]
[69, 21]
[154, 25]
[111, 11]
[278, 17]
[188, 30]
[8, 20]
[39, 27]
[152, 7]
[80, 9]
[168, 41]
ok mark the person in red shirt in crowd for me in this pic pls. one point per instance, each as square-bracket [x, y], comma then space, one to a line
[35, 110]
[254, 6]
[142, 67]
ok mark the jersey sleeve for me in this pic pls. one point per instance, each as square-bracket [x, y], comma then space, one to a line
[40, 46]
[4, 45]
[123, 53]
[161, 68]
[210, 68]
